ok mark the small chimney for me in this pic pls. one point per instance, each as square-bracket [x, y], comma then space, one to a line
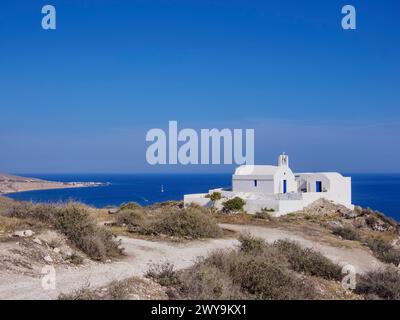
[283, 160]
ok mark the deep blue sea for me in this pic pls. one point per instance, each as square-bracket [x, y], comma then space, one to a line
[377, 191]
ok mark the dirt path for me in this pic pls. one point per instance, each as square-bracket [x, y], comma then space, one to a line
[141, 253]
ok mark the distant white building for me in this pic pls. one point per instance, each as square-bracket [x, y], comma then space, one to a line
[277, 188]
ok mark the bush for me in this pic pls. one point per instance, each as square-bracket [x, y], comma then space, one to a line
[118, 290]
[347, 233]
[233, 205]
[387, 220]
[189, 222]
[73, 220]
[135, 217]
[262, 276]
[80, 294]
[236, 275]
[384, 284]
[215, 196]
[371, 221]
[384, 251]
[308, 261]
[97, 242]
[204, 282]
[129, 206]
[249, 244]
[163, 274]
[264, 214]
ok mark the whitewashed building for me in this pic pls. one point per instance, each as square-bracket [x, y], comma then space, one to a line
[278, 188]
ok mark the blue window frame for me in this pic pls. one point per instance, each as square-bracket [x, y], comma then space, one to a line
[255, 183]
[318, 186]
[284, 186]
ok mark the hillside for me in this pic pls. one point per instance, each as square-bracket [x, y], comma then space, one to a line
[11, 183]
[90, 264]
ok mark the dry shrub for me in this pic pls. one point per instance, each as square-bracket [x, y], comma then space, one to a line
[347, 233]
[129, 206]
[164, 274]
[192, 222]
[118, 290]
[384, 251]
[73, 220]
[248, 243]
[80, 294]
[256, 271]
[205, 282]
[308, 261]
[135, 217]
[384, 284]
[189, 222]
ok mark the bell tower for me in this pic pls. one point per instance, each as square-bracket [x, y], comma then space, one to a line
[283, 160]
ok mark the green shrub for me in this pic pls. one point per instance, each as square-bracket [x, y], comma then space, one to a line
[308, 261]
[215, 196]
[233, 205]
[384, 284]
[347, 233]
[384, 251]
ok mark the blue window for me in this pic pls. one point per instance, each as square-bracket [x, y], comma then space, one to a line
[255, 183]
[318, 186]
[284, 186]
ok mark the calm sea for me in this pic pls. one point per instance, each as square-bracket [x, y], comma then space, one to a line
[377, 191]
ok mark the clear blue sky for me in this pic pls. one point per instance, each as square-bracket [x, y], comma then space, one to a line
[81, 98]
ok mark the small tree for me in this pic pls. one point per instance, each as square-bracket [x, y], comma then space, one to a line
[233, 205]
[214, 197]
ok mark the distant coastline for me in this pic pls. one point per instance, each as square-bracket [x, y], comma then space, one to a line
[13, 184]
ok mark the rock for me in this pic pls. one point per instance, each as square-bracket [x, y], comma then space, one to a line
[108, 261]
[48, 258]
[66, 252]
[23, 233]
[335, 223]
[36, 240]
[113, 210]
[348, 214]
[56, 250]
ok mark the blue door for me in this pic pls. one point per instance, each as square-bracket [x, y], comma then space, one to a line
[284, 186]
[318, 187]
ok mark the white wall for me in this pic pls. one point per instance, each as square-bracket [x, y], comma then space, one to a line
[199, 199]
[246, 184]
[266, 184]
